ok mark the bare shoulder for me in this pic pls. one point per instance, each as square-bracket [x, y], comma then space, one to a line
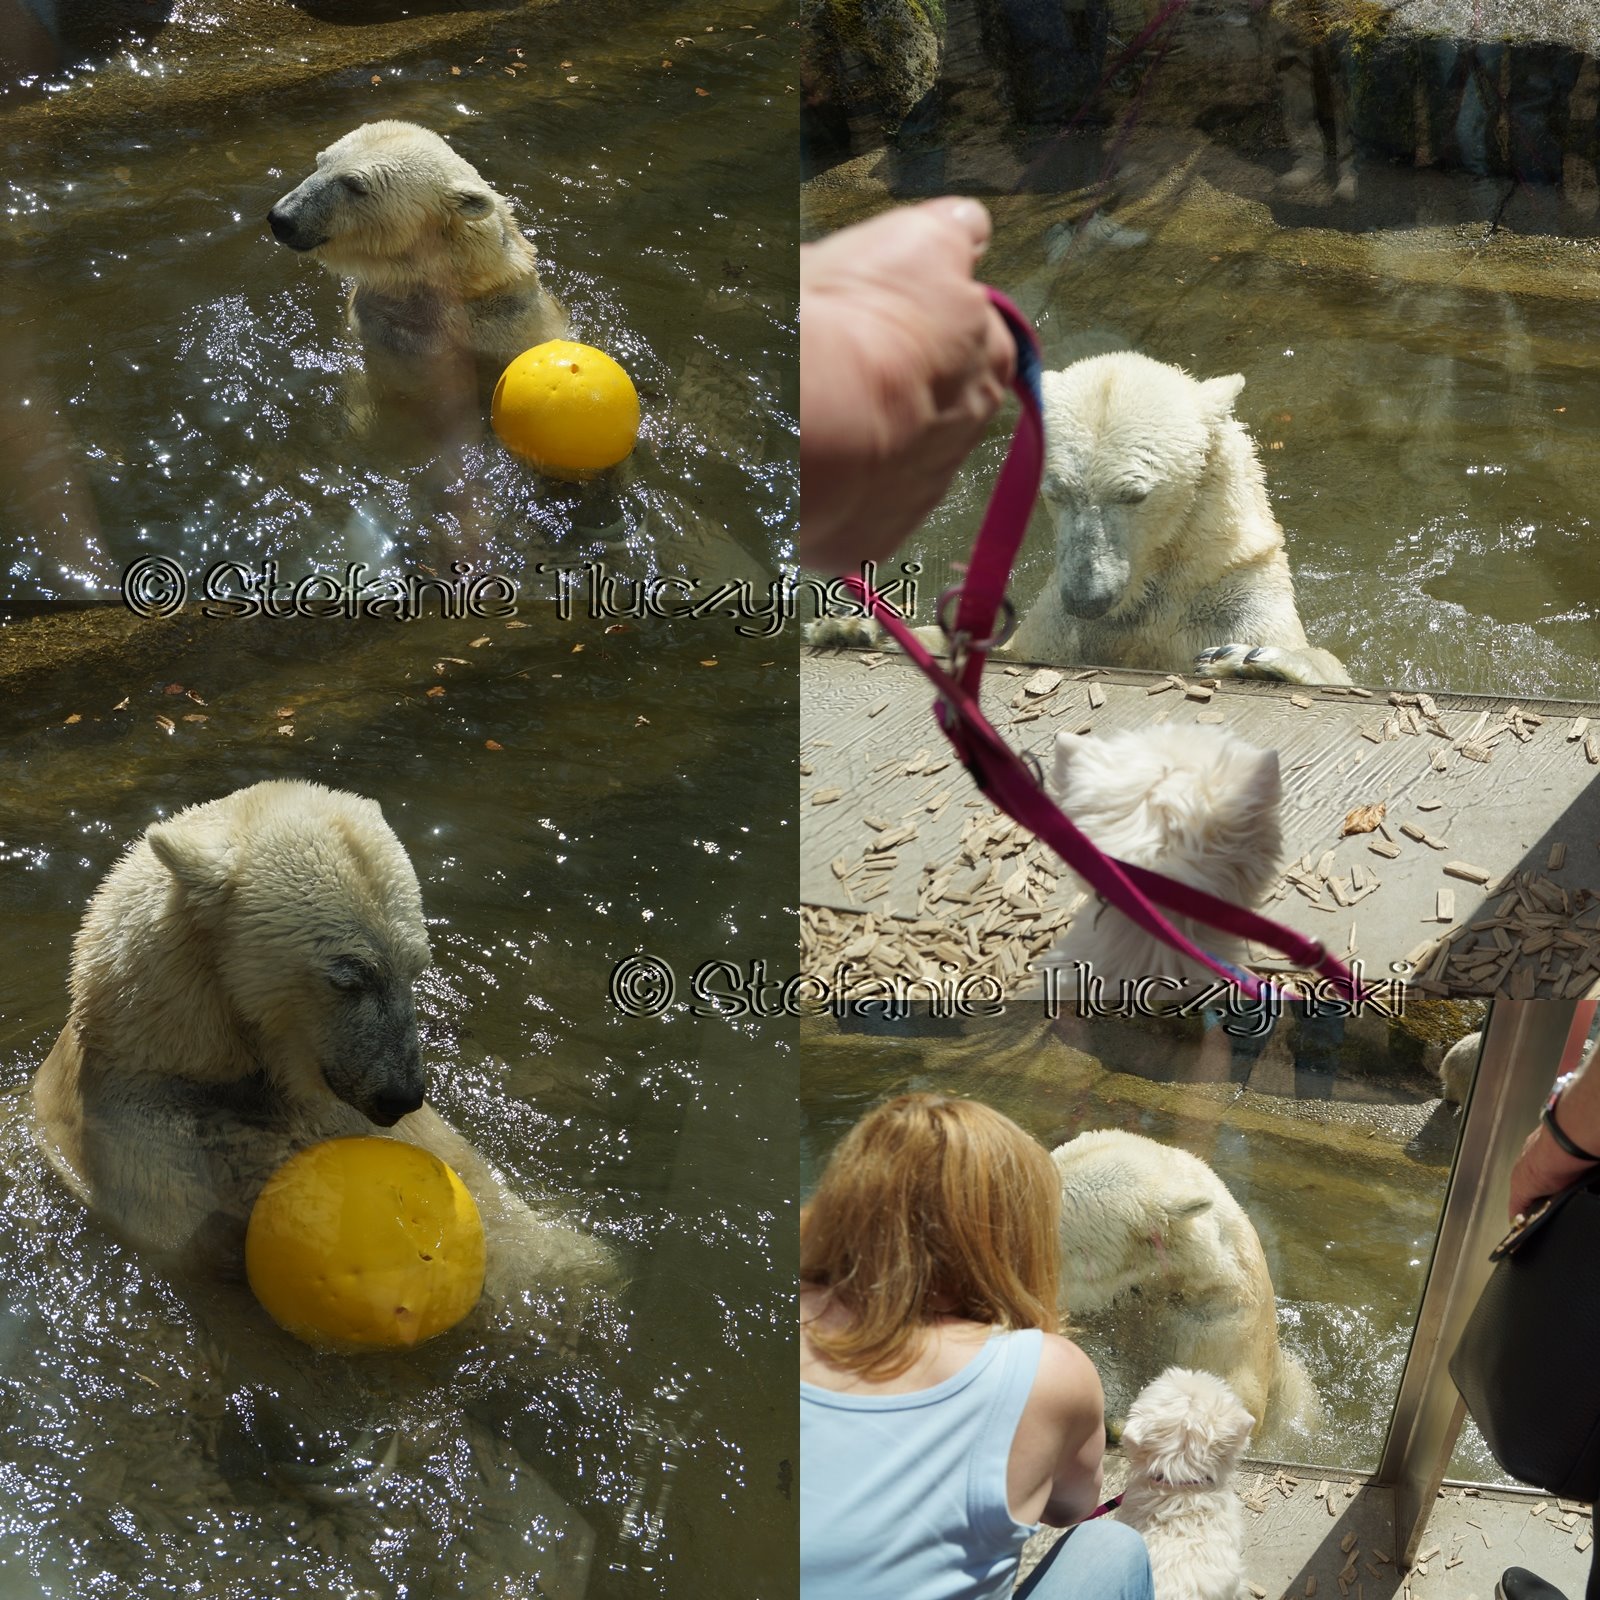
[1067, 1384]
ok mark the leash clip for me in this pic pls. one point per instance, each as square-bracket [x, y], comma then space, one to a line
[960, 641]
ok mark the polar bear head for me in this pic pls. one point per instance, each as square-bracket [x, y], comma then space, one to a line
[394, 207]
[1130, 444]
[1135, 1214]
[275, 931]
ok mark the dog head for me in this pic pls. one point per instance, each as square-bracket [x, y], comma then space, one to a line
[1186, 1429]
[1195, 803]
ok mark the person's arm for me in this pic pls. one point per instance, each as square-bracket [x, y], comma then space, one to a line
[1544, 1167]
[903, 361]
[1062, 1435]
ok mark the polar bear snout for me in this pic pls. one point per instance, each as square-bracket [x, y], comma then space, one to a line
[289, 226]
[373, 1058]
[1092, 566]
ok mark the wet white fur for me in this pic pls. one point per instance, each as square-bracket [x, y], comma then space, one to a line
[1183, 1438]
[1195, 562]
[1196, 804]
[206, 1045]
[1163, 1265]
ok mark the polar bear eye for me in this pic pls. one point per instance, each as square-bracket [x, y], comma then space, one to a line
[350, 976]
[356, 185]
[1132, 495]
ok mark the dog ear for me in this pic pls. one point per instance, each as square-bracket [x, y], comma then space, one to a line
[1068, 747]
[1217, 396]
[1267, 781]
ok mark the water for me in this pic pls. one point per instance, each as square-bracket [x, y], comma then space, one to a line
[200, 407]
[1427, 434]
[634, 806]
[1346, 1202]
[571, 791]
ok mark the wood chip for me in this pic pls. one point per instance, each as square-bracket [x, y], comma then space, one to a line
[1097, 696]
[1583, 1541]
[1579, 727]
[1348, 1543]
[1044, 681]
[1210, 717]
[1444, 905]
[825, 797]
[1311, 1586]
[1558, 856]
[1465, 869]
[1379, 848]
[1591, 750]
[1301, 700]
[1364, 819]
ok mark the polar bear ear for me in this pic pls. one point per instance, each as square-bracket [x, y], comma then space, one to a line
[198, 854]
[476, 204]
[1218, 394]
[1187, 1210]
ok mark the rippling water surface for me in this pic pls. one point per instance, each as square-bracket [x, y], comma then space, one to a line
[573, 791]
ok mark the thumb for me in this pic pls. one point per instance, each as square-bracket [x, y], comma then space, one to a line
[963, 216]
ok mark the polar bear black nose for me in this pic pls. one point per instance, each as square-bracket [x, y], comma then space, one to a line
[388, 1109]
[282, 226]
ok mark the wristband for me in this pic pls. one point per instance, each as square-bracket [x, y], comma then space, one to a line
[1576, 1151]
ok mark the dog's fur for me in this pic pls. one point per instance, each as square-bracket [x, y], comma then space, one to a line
[1184, 1436]
[1197, 804]
[242, 988]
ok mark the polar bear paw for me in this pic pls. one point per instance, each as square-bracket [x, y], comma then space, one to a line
[844, 633]
[1272, 663]
[1245, 661]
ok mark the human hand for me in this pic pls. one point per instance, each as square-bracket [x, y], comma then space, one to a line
[903, 362]
[1542, 1168]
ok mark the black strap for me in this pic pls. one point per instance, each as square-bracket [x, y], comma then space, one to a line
[1576, 1151]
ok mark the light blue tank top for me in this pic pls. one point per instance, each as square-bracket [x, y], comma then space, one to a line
[903, 1496]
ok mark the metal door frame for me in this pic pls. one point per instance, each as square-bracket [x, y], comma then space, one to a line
[1524, 1046]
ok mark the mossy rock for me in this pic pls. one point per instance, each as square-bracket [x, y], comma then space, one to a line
[878, 58]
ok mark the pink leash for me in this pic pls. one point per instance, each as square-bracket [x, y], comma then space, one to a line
[1014, 783]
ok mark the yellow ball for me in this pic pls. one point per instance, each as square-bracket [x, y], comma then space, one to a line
[360, 1243]
[569, 408]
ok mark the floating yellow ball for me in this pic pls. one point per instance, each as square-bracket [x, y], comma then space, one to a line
[361, 1243]
[569, 408]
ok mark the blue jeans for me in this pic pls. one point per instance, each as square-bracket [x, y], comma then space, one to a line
[1099, 1560]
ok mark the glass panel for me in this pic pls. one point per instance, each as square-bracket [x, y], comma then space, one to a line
[1368, 211]
[1325, 1138]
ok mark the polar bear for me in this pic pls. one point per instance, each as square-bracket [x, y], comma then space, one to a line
[1164, 1268]
[1167, 554]
[442, 278]
[242, 988]
[1166, 548]
[1458, 1067]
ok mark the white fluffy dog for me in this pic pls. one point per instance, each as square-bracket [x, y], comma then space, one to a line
[1183, 1438]
[1197, 804]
